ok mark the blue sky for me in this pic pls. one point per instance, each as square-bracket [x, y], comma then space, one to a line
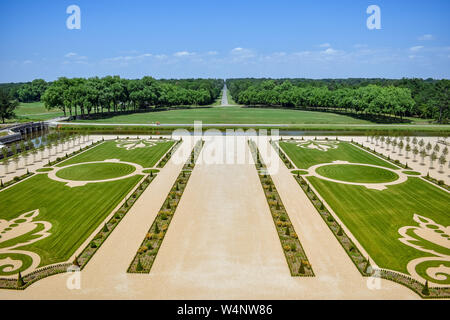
[224, 39]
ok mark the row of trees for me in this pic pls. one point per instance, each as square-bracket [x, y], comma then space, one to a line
[406, 97]
[415, 146]
[54, 144]
[79, 96]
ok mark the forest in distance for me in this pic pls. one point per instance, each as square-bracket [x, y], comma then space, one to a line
[405, 97]
[112, 94]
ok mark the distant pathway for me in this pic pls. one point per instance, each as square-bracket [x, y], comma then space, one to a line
[224, 96]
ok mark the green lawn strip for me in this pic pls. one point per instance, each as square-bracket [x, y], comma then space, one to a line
[148, 250]
[295, 255]
[300, 172]
[146, 157]
[232, 114]
[414, 173]
[304, 158]
[95, 171]
[73, 212]
[150, 171]
[42, 170]
[356, 173]
[169, 154]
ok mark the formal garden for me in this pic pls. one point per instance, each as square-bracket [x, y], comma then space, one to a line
[48, 215]
[377, 206]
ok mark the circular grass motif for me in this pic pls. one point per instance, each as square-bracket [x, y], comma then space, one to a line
[95, 171]
[356, 173]
[44, 170]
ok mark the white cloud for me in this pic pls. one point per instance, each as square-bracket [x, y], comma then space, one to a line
[329, 51]
[325, 45]
[240, 54]
[27, 62]
[70, 55]
[183, 54]
[212, 53]
[416, 48]
[426, 37]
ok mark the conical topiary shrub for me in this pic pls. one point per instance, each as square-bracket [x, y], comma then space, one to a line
[301, 270]
[426, 290]
[20, 282]
[139, 265]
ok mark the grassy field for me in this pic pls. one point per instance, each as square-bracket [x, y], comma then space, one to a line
[359, 174]
[36, 111]
[146, 157]
[305, 158]
[235, 115]
[73, 212]
[374, 217]
[95, 171]
[230, 98]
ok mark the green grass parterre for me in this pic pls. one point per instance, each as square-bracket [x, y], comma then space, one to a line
[375, 216]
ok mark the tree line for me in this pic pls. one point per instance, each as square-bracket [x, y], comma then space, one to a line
[405, 97]
[79, 96]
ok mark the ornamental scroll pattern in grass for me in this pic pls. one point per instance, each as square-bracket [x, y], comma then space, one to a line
[19, 232]
[434, 239]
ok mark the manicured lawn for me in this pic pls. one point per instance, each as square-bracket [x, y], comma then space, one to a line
[146, 157]
[356, 173]
[235, 115]
[304, 158]
[95, 171]
[73, 212]
[37, 111]
[374, 217]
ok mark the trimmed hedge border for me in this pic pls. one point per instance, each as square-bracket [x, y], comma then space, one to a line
[15, 180]
[439, 183]
[169, 154]
[294, 253]
[149, 248]
[282, 155]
